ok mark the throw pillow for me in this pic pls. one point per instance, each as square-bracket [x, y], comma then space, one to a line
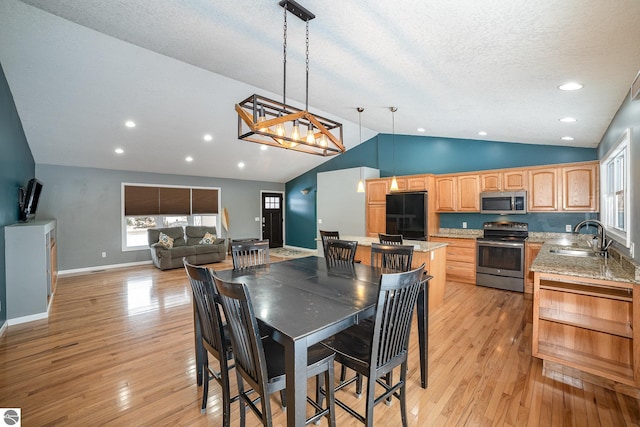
[165, 241]
[208, 239]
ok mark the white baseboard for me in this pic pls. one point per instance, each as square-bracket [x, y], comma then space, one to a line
[101, 267]
[295, 248]
[29, 318]
[3, 328]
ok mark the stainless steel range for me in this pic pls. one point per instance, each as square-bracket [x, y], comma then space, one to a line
[500, 255]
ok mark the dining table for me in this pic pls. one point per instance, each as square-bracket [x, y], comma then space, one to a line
[302, 301]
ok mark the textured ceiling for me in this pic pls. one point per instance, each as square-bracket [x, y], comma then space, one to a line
[177, 68]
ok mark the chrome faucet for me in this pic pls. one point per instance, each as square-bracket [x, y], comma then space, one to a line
[602, 244]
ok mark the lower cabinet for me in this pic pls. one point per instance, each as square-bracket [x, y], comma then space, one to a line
[31, 269]
[588, 324]
[531, 250]
[461, 259]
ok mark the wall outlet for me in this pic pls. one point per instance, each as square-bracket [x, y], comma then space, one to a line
[104, 254]
[464, 224]
[319, 221]
[567, 228]
[257, 219]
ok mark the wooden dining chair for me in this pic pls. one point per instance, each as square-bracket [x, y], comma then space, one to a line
[390, 239]
[328, 235]
[250, 254]
[373, 349]
[214, 337]
[260, 360]
[340, 252]
[391, 258]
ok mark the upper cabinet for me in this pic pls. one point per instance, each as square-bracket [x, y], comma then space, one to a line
[377, 190]
[468, 193]
[543, 190]
[507, 180]
[416, 183]
[580, 187]
[446, 193]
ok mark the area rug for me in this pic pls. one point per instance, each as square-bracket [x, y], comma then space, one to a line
[291, 253]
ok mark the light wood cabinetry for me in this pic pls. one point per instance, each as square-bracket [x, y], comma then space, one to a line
[435, 265]
[31, 269]
[416, 183]
[543, 189]
[588, 324]
[468, 193]
[580, 187]
[402, 184]
[491, 181]
[461, 259]
[514, 180]
[377, 190]
[376, 220]
[446, 193]
[531, 250]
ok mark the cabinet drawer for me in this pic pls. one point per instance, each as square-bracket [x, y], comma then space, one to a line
[461, 254]
[461, 271]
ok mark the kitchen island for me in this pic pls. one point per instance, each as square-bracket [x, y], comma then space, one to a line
[432, 254]
[586, 316]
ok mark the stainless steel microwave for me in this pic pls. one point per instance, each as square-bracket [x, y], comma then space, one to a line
[503, 202]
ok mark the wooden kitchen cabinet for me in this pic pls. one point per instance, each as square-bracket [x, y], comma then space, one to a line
[377, 190]
[376, 220]
[591, 325]
[580, 187]
[446, 193]
[491, 182]
[514, 180]
[416, 183]
[461, 259]
[468, 193]
[543, 190]
[531, 250]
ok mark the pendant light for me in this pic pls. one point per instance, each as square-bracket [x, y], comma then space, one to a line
[361, 182]
[394, 181]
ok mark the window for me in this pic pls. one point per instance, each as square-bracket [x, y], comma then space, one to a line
[272, 203]
[615, 179]
[147, 206]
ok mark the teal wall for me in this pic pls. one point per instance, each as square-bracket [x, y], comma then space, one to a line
[16, 168]
[409, 155]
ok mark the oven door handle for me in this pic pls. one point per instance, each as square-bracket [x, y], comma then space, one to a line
[496, 243]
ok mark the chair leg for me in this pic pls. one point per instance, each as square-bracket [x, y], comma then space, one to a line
[403, 394]
[226, 394]
[371, 388]
[241, 398]
[358, 385]
[331, 403]
[205, 383]
[343, 373]
[283, 398]
[389, 378]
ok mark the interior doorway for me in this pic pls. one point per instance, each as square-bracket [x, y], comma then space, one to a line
[273, 218]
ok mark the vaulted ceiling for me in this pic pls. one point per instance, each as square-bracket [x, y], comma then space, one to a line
[79, 69]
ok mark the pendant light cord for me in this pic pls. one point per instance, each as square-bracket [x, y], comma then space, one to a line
[306, 104]
[284, 49]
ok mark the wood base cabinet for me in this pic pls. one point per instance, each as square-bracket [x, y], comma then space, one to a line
[590, 325]
[461, 259]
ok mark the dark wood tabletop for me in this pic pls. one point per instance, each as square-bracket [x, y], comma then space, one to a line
[304, 302]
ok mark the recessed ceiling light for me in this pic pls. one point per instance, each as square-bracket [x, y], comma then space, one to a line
[241, 165]
[207, 137]
[421, 129]
[567, 138]
[482, 133]
[570, 86]
[130, 124]
[189, 159]
[119, 150]
[263, 147]
[567, 120]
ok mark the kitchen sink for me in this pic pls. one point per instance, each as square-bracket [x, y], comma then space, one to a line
[573, 252]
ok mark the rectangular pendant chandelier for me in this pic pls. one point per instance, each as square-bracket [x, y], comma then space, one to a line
[268, 122]
[265, 121]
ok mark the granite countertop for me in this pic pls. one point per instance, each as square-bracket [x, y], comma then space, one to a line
[612, 268]
[418, 245]
[459, 233]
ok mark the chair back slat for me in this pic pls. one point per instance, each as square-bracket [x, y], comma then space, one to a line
[244, 332]
[328, 235]
[396, 301]
[391, 258]
[340, 252]
[206, 302]
[390, 239]
[250, 254]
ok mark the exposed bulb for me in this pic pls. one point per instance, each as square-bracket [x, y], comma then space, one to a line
[311, 138]
[295, 131]
[280, 130]
[323, 140]
[261, 119]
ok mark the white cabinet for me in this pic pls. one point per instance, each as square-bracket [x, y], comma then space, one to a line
[31, 269]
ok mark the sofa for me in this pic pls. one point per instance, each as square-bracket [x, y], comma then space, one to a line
[179, 243]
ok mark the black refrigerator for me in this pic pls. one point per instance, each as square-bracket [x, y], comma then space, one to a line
[407, 215]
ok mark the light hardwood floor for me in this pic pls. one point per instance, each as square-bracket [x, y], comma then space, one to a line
[117, 349]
